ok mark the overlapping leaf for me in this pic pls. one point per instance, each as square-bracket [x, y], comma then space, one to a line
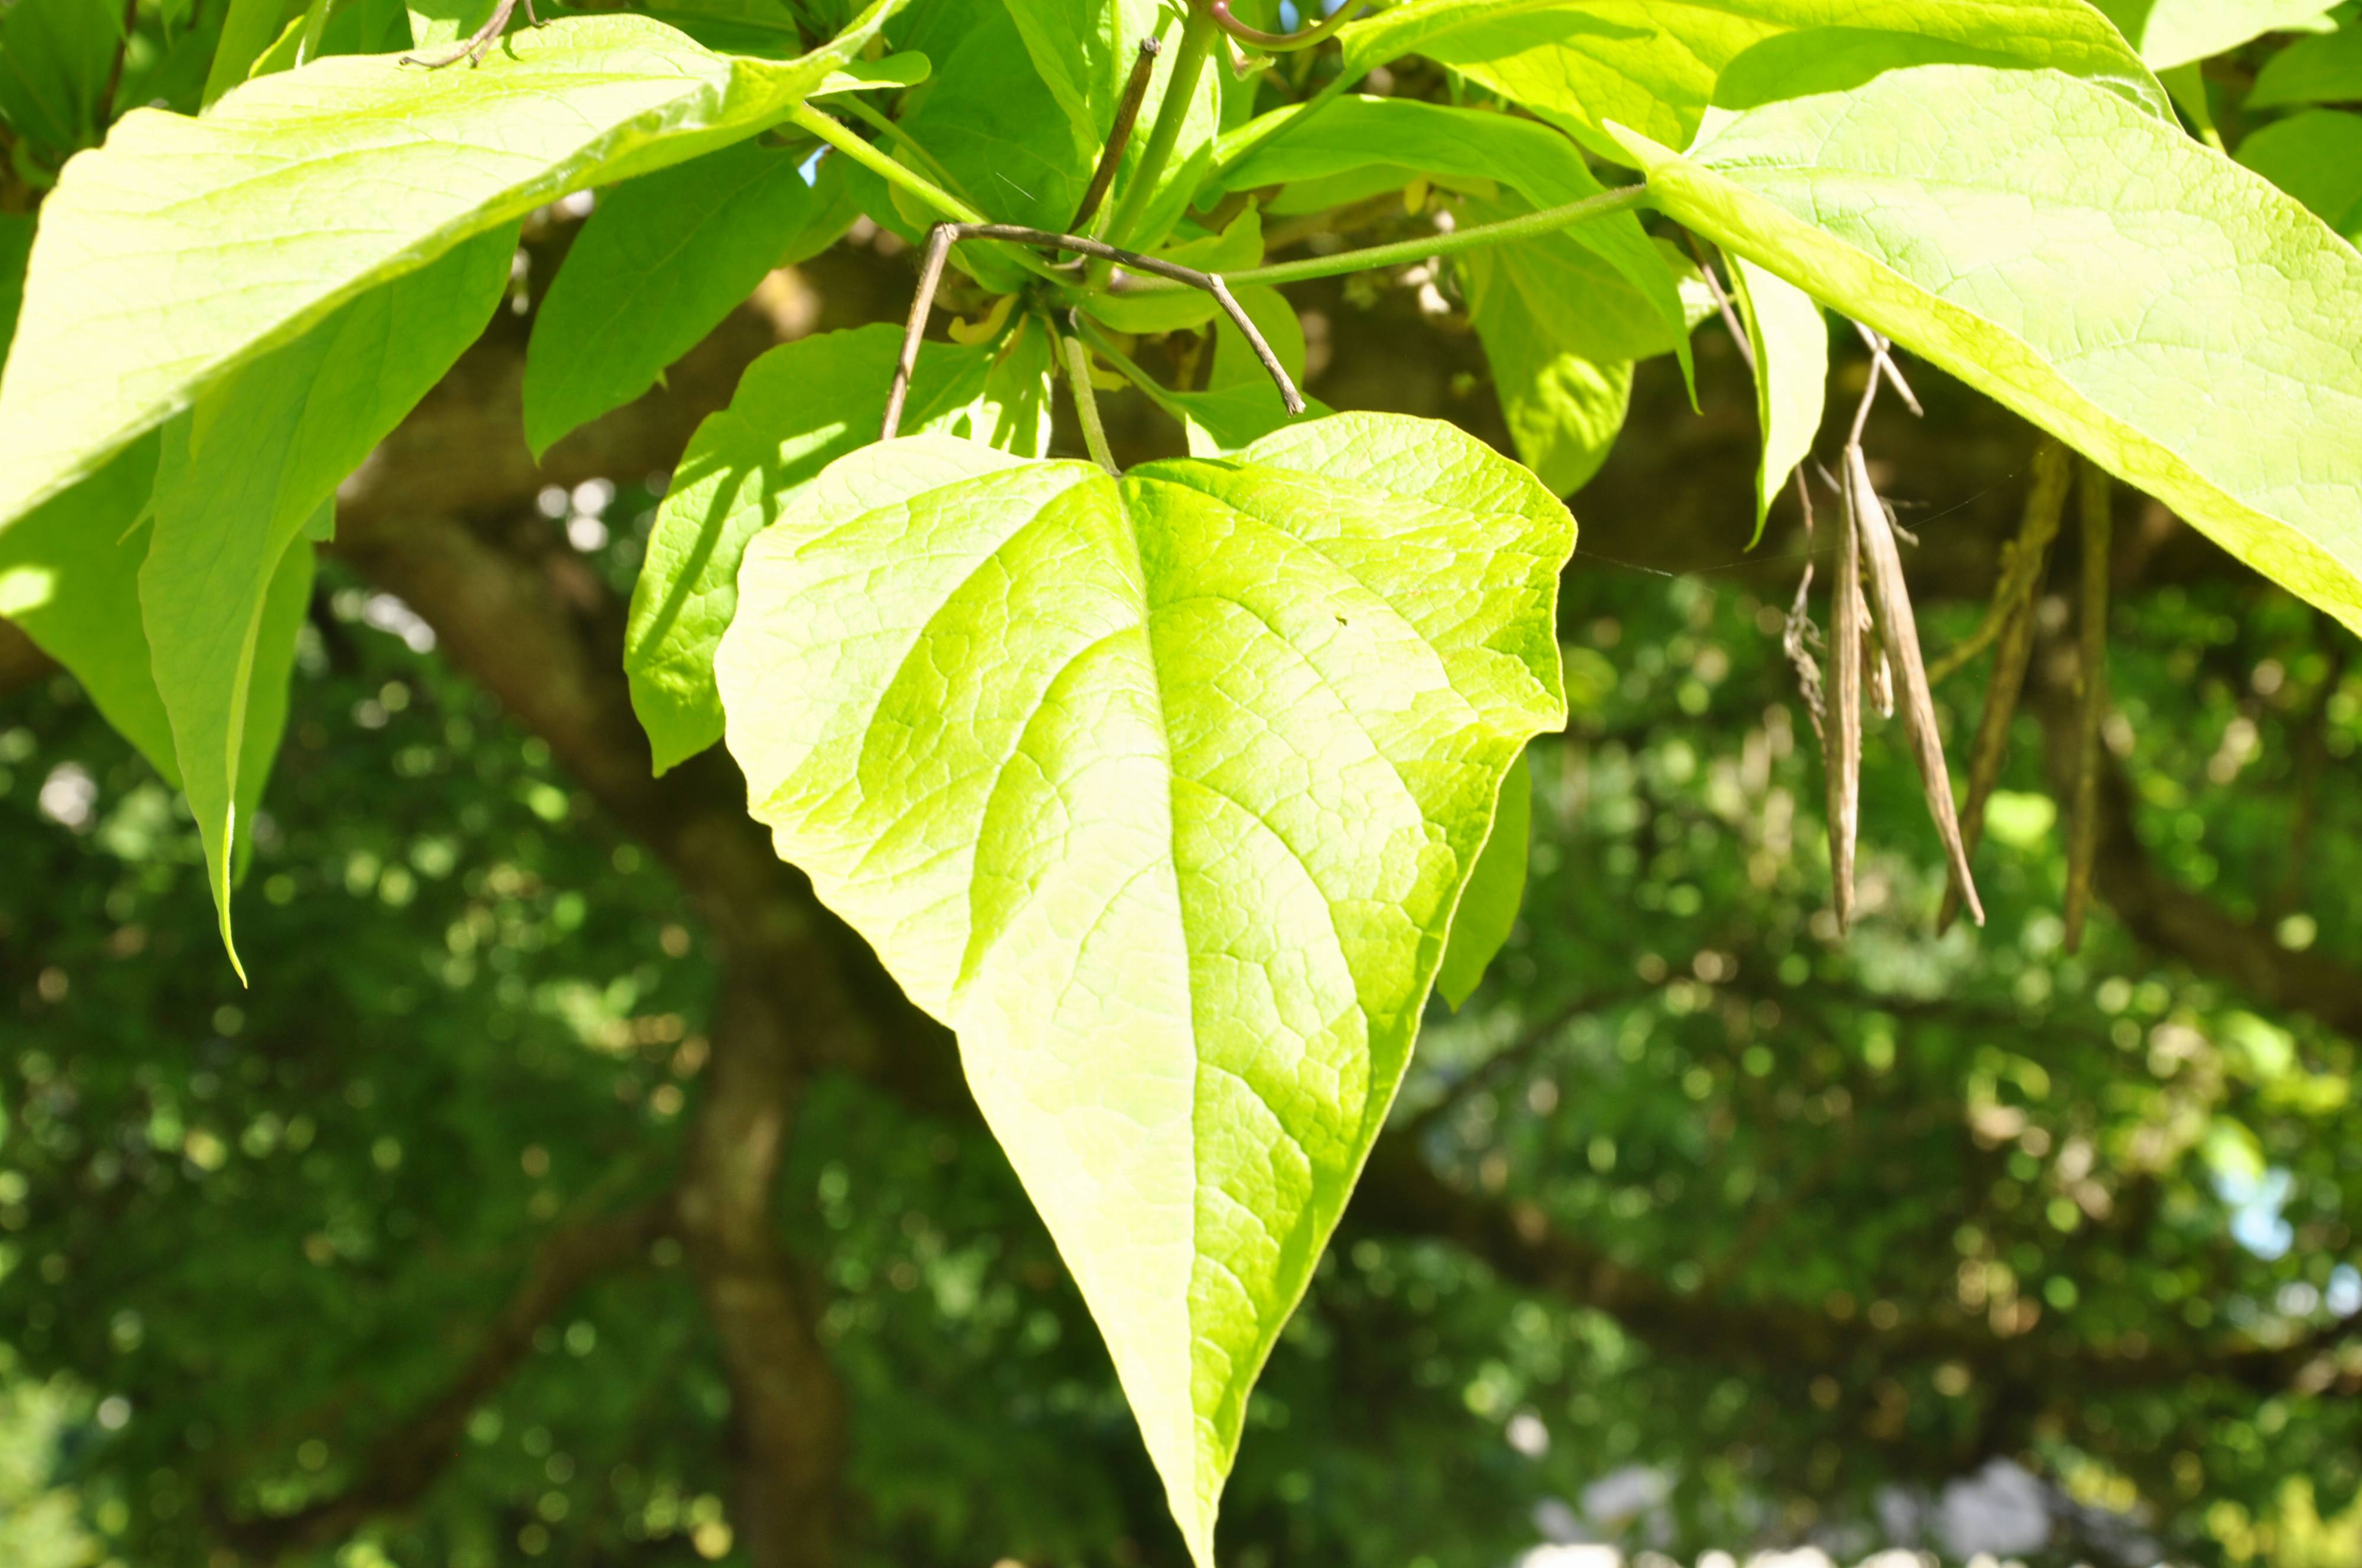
[2325, 70]
[186, 248]
[798, 409]
[1161, 791]
[662, 260]
[241, 482]
[995, 138]
[2315, 157]
[1497, 888]
[1082, 51]
[1391, 133]
[2169, 314]
[55, 57]
[1791, 343]
[1653, 65]
[70, 578]
[2177, 32]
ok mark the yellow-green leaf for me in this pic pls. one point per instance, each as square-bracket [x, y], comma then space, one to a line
[186, 248]
[2172, 316]
[1161, 791]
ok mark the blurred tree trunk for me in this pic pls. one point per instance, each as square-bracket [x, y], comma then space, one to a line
[788, 1412]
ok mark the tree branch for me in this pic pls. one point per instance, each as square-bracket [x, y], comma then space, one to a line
[944, 236]
[2159, 911]
[787, 1411]
[403, 1463]
[22, 662]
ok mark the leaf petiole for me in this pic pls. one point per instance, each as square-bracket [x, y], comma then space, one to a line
[834, 132]
[1076, 360]
[1197, 43]
[1281, 43]
[946, 234]
[899, 136]
[1549, 220]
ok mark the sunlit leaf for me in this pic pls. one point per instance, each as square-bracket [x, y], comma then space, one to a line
[663, 259]
[2175, 32]
[241, 482]
[798, 409]
[186, 248]
[1160, 792]
[2186, 324]
[1653, 65]
[1790, 341]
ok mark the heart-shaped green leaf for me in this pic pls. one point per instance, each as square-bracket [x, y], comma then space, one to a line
[1161, 792]
[2150, 302]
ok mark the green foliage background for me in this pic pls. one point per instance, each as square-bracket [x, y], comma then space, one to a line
[1801, 1225]
[270, 1222]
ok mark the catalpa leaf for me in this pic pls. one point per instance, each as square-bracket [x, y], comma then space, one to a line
[1559, 337]
[2315, 157]
[1653, 65]
[1353, 133]
[70, 577]
[186, 248]
[2177, 32]
[1161, 791]
[2171, 314]
[1488, 909]
[244, 479]
[662, 260]
[996, 140]
[798, 409]
[2324, 70]
[55, 56]
[1790, 341]
[1083, 52]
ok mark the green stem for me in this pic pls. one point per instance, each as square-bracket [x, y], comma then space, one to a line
[316, 23]
[899, 136]
[1125, 366]
[834, 132]
[1077, 360]
[1549, 220]
[1197, 42]
[1280, 43]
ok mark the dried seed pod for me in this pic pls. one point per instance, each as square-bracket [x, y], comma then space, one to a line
[1891, 597]
[1841, 735]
